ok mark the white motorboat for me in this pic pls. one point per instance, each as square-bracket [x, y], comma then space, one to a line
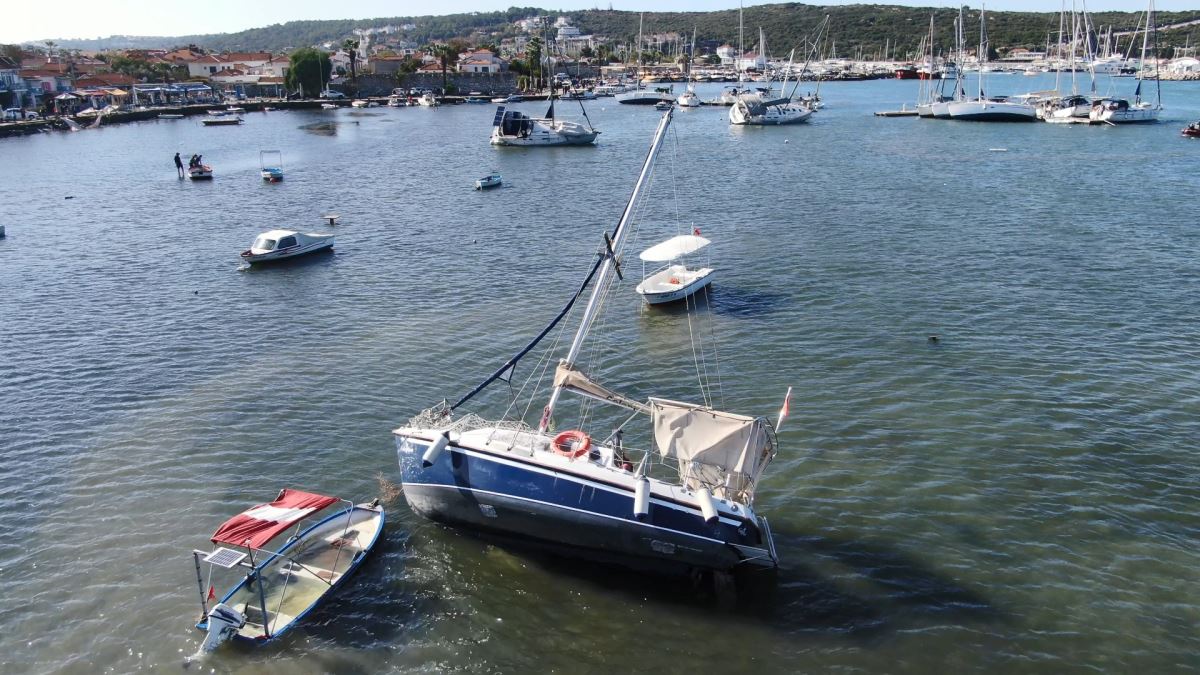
[675, 281]
[235, 110]
[427, 100]
[170, 116]
[200, 172]
[276, 585]
[489, 181]
[328, 106]
[270, 164]
[513, 128]
[1061, 109]
[280, 244]
[358, 103]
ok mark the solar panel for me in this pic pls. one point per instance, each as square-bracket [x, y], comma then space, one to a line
[225, 557]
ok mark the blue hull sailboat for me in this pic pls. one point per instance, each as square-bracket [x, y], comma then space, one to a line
[682, 504]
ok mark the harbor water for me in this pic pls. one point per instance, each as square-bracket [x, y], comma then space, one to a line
[1020, 495]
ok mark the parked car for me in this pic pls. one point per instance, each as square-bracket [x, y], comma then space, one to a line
[15, 114]
[329, 93]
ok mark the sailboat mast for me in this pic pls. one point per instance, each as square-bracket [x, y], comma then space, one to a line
[737, 65]
[606, 270]
[982, 49]
[1157, 80]
[1145, 40]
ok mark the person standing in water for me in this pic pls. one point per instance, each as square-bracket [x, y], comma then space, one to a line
[179, 165]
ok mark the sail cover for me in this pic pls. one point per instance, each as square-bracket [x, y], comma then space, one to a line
[718, 450]
[259, 525]
[674, 247]
[567, 376]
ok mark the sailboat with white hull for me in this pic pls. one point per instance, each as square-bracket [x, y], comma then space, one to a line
[1124, 111]
[984, 109]
[685, 505]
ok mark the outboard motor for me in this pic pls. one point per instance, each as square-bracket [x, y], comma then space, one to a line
[223, 623]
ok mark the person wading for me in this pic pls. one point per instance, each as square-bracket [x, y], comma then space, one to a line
[179, 165]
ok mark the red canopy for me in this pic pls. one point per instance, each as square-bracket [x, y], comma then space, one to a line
[255, 527]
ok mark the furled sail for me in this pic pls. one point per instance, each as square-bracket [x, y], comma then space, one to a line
[567, 376]
[721, 451]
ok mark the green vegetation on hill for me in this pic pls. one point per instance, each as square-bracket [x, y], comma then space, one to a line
[854, 29]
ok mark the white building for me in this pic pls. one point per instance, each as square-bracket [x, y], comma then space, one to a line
[728, 54]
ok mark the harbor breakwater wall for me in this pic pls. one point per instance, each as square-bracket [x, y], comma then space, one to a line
[56, 122]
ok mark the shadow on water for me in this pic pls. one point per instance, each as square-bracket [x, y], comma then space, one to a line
[320, 128]
[742, 303]
[890, 593]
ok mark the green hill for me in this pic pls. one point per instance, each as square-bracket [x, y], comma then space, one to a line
[854, 29]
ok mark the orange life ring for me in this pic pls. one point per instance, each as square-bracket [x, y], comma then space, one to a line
[573, 444]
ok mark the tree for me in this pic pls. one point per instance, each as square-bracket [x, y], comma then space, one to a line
[445, 54]
[351, 47]
[533, 60]
[308, 71]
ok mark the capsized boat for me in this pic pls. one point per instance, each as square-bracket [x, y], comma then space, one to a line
[674, 281]
[279, 585]
[221, 121]
[513, 128]
[685, 506]
[271, 165]
[752, 109]
[280, 244]
[489, 181]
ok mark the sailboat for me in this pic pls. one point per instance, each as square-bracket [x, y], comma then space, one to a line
[685, 505]
[983, 109]
[1123, 111]
[1075, 107]
[640, 95]
[760, 109]
[513, 128]
[689, 99]
[940, 109]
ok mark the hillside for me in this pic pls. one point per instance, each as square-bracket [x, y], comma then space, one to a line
[854, 28]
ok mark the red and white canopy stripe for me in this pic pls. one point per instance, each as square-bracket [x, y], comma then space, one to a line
[257, 526]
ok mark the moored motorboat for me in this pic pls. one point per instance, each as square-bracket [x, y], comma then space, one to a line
[675, 281]
[170, 116]
[489, 181]
[275, 587]
[281, 244]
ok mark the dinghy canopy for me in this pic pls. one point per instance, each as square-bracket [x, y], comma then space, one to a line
[674, 247]
[567, 376]
[721, 451]
[257, 526]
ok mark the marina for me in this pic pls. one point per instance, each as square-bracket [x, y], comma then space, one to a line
[988, 460]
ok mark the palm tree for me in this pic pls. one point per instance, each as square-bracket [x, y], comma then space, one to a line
[351, 47]
[444, 54]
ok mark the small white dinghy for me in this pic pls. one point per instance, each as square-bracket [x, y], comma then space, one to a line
[674, 281]
[280, 244]
[488, 181]
[275, 586]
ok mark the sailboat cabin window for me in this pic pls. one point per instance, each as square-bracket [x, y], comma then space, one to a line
[287, 242]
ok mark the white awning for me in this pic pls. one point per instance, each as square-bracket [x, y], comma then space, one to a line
[721, 451]
[674, 247]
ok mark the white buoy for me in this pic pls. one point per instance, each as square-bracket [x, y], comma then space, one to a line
[641, 499]
[431, 453]
[706, 505]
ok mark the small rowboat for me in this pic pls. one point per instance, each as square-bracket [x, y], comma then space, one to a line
[489, 181]
[280, 244]
[275, 587]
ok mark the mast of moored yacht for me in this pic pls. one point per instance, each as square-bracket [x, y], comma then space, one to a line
[612, 249]
[982, 56]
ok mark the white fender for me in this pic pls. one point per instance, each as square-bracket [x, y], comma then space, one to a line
[641, 499]
[706, 505]
[431, 453]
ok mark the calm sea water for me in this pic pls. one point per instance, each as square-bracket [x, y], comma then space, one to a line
[1021, 496]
